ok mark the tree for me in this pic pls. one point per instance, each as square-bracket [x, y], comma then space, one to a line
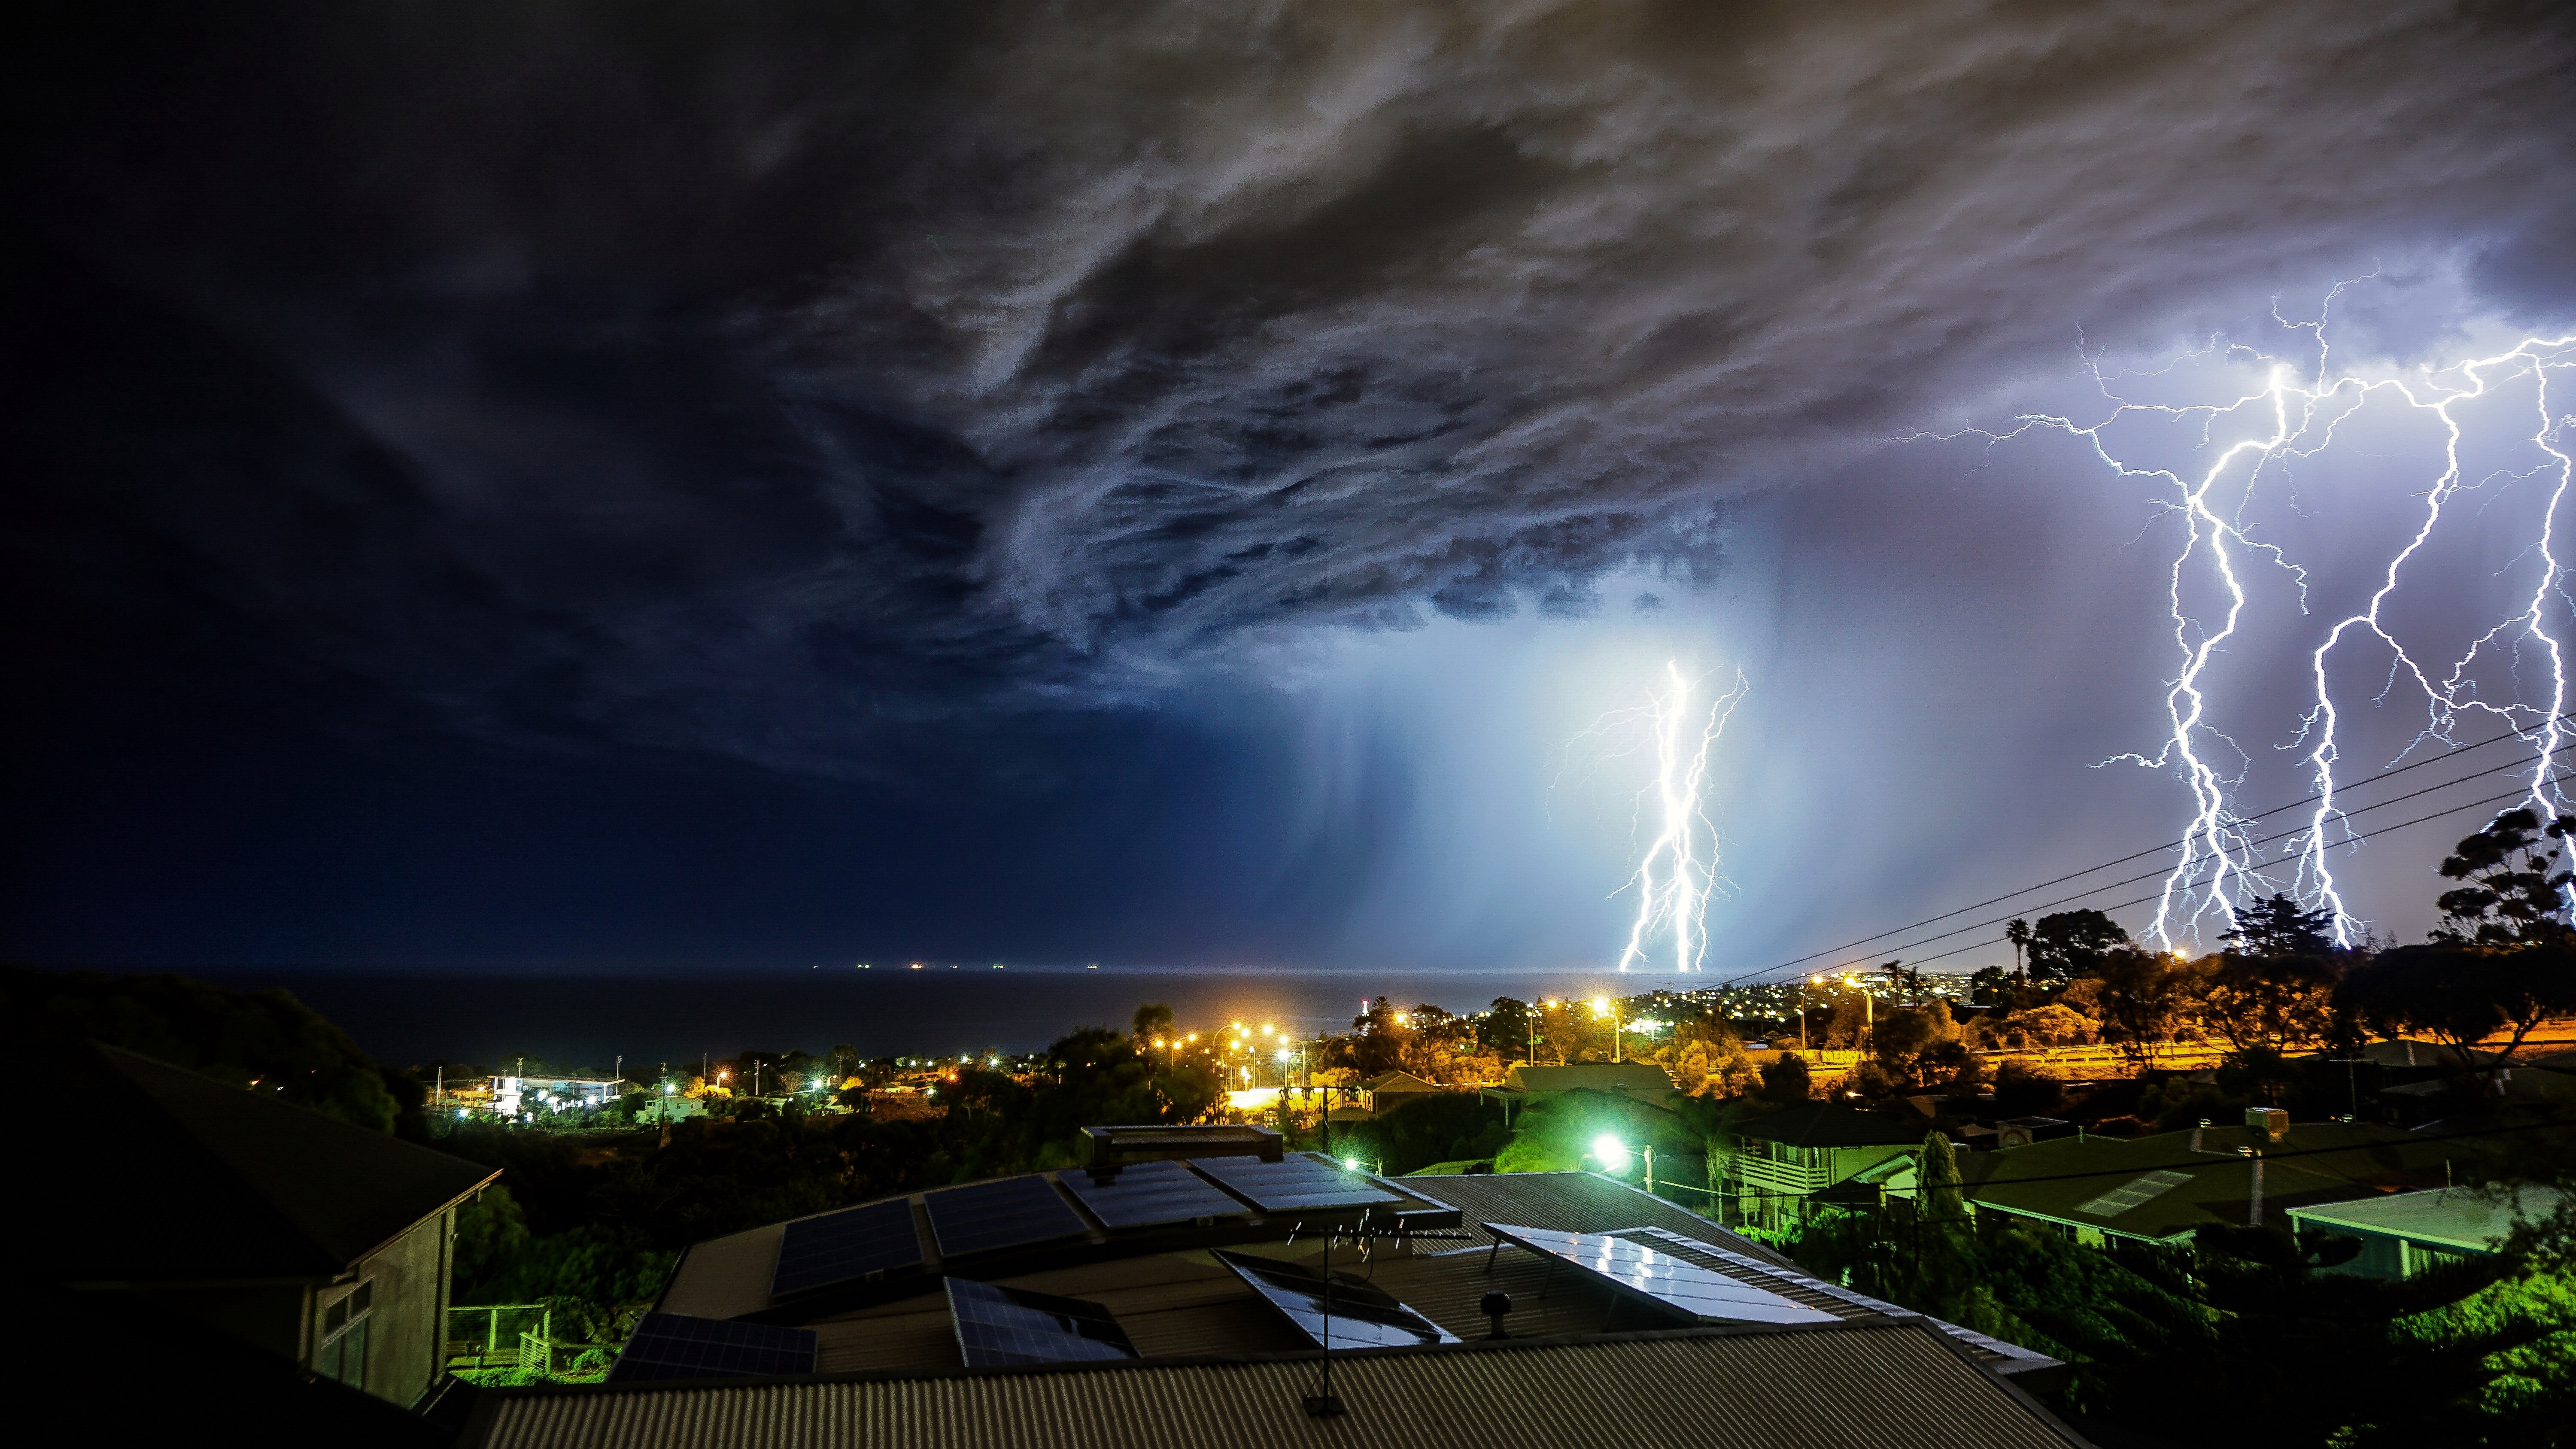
[2025, 1090]
[1908, 982]
[2503, 960]
[1153, 1019]
[2019, 934]
[2516, 894]
[1505, 1029]
[1381, 1039]
[2461, 995]
[2277, 927]
[1908, 1044]
[1786, 1080]
[1940, 1193]
[2271, 1003]
[2140, 996]
[2071, 944]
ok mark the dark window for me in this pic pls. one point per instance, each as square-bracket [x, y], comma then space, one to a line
[343, 1354]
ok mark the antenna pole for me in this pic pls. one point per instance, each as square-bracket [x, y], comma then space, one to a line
[1324, 1405]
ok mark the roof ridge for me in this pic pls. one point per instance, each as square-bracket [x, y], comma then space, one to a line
[223, 1167]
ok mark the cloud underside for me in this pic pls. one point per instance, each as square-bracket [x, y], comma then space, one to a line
[731, 379]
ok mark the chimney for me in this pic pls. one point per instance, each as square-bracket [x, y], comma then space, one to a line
[2272, 1122]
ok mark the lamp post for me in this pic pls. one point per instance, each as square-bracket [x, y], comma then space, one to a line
[1868, 1008]
[1606, 1006]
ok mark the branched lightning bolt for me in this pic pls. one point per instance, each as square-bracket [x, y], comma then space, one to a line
[2296, 419]
[1677, 872]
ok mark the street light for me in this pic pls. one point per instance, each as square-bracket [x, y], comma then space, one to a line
[1613, 1155]
[1604, 1006]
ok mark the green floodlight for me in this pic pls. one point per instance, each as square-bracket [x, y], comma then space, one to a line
[1610, 1152]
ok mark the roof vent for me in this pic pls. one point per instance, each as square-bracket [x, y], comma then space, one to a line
[2272, 1122]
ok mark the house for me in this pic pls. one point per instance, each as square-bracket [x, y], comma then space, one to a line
[325, 1244]
[521, 1096]
[2162, 1188]
[1525, 1085]
[1769, 1167]
[1386, 1093]
[2403, 1234]
[1219, 1299]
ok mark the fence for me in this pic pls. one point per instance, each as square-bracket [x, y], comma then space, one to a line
[490, 1335]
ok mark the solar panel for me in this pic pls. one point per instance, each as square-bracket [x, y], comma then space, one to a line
[1359, 1316]
[1293, 1183]
[998, 1327]
[2136, 1191]
[677, 1346]
[1003, 1214]
[1147, 1193]
[1647, 1272]
[838, 1247]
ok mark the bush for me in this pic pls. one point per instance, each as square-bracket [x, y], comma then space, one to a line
[2026, 1089]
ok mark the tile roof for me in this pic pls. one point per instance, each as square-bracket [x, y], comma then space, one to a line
[1886, 1383]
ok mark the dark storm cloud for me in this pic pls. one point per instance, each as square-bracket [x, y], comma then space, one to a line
[733, 377]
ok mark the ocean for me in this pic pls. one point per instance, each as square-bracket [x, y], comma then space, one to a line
[591, 1020]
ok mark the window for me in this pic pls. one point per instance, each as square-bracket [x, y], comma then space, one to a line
[343, 1354]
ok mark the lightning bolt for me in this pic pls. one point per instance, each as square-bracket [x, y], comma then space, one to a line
[2293, 418]
[1677, 872]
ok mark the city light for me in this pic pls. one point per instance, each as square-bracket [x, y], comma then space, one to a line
[1352, 1163]
[1610, 1152]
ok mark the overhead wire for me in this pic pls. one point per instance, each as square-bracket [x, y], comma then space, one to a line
[2454, 755]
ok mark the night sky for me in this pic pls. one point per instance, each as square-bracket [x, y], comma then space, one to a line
[652, 486]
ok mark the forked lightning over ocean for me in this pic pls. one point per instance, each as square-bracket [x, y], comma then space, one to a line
[1677, 871]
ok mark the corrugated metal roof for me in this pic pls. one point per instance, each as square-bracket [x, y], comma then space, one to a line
[1900, 1385]
[2450, 1218]
[2077, 1180]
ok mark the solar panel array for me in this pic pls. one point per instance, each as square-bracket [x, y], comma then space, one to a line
[1357, 1316]
[676, 1346]
[1294, 1183]
[999, 1327]
[1648, 1272]
[837, 1247]
[1148, 1193]
[1008, 1213]
[2136, 1191]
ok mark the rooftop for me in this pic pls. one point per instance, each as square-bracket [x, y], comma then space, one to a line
[1176, 1290]
[1597, 1076]
[1705, 1388]
[185, 1179]
[2163, 1187]
[2471, 1222]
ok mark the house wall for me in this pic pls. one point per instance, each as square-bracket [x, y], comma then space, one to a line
[1758, 1173]
[407, 1282]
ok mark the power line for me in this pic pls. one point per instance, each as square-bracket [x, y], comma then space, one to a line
[2133, 1169]
[2158, 850]
[2151, 875]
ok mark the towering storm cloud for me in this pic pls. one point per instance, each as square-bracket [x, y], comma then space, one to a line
[884, 393]
[821, 362]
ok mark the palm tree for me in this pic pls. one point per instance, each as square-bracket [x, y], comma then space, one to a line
[2019, 934]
